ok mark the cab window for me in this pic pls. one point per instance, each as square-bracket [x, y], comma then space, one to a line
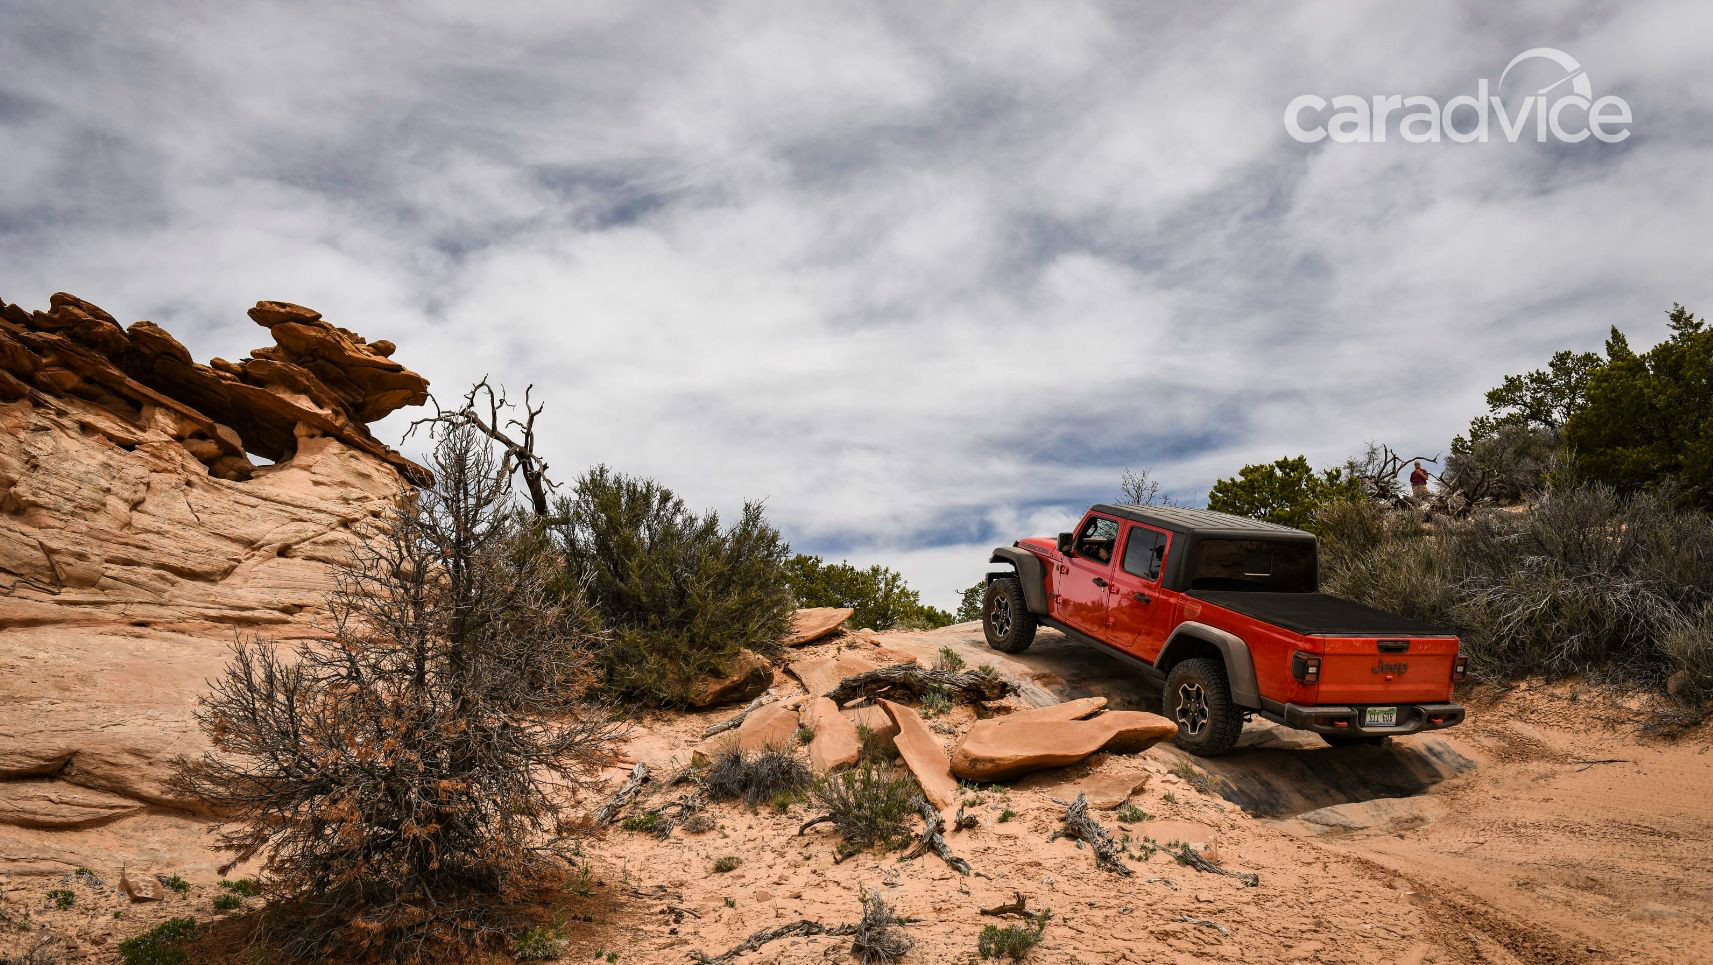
[1097, 539]
[1144, 553]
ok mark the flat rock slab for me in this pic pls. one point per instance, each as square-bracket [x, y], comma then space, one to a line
[821, 674]
[1000, 749]
[813, 623]
[770, 725]
[872, 717]
[1069, 710]
[923, 755]
[58, 805]
[835, 744]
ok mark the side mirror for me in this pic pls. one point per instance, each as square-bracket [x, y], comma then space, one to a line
[1065, 543]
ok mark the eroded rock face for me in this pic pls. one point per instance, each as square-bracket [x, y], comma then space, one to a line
[1006, 747]
[813, 623]
[923, 755]
[835, 744]
[138, 541]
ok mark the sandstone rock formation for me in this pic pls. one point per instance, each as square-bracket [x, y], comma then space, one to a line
[770, 725]
[813, 623]
[835, 744]
[748, 677]
[138, 540]
[923, 755]
[1006, 747]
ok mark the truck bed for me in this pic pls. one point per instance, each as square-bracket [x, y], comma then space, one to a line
[1317, 613]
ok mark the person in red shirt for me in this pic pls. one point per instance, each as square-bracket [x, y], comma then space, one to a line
[1418, 482]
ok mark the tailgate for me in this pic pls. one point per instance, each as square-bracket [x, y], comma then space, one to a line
[1383, 670]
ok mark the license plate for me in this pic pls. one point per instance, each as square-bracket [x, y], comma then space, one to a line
[1380, 717]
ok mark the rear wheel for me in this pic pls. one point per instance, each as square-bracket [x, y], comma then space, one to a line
[1005, 617]
[1198, 699]
[1356, 740]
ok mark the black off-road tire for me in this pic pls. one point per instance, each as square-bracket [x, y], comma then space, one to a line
[1005, 617]
[1356, 740]
[1198, 699]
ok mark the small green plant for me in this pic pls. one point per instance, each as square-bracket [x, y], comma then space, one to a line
[1169, 797]
[86, 876]
[647, 822]
[756, 778]
[949, 660]
[1130, 814]
[582, 882]
[176, 883]
[227, 902]
[611, 956]
[877, 746]
[61, 898]
[731, 902]
[1006, 815]
[805, 734]
[244, 887]
[936, 702]
[1013, 942]
[539, 943]
[727, 863]
[157, 946]
[870, 805]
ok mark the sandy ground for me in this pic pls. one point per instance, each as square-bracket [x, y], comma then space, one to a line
[1543, 830]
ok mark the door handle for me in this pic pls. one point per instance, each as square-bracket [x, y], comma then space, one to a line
[1141, 597]
[1099, 582]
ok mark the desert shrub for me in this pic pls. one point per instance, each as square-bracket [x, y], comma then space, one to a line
[1012, 942]
[878, 940]
[869, 805]
[875, 747]
[61, 898]
[539, 943]
[1509, 464]
[936, 701]
[679, 594]
[1585, 581]
[159, 945]
[969, 603]
[403, 778]
[878, 595]
[245, 887]
[176, 883]
[1130, 813]
[227, 902]
[755, 778]
[948, 659]
[727, 864]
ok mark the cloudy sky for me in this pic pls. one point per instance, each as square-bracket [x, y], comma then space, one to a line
[926, 277]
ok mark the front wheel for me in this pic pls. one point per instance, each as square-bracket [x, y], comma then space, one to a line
[1005, 617]
[1198, 699]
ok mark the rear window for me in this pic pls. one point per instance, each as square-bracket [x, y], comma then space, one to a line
[1253, 564]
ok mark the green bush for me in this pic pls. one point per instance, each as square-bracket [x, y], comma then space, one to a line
[539, 943]
[969, 603]
[766, 776]
[679, 594]
[1013, 942]
[727, 864]
[1586, 581]
[870, 805]
[227, 902]
[157, 946]
[246, 887]
[878, 594]
[1286, 491]
[61, 898]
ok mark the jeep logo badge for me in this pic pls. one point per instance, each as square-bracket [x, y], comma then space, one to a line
[1390, 668]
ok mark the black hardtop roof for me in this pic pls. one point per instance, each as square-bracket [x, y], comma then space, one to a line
[1204, 522]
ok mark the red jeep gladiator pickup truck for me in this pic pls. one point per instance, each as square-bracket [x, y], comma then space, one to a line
[1224, 614]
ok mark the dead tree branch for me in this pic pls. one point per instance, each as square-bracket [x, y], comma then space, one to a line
[729, 723]
[1190, 856]
[1018, 907]
[622, 797]
[515, 435]
[1080, 826]
[969, 686]
[933, 839]
[1205, 923]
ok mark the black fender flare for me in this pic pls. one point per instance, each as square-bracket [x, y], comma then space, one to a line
[1239, 662]
[1030, 573]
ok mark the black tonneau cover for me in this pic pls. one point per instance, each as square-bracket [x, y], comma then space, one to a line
[1310, 613]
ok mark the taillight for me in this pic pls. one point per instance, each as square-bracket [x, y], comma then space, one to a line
[1459, 669]
[1305, 667]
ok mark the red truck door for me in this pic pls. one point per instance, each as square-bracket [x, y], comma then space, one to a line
[1082, 590]
[1140, 613]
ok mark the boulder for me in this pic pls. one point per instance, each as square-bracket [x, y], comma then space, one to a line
[821, 674]
[140, 887]
[770, 725]
[748, 677]
[1104, 791]
[813, 623]
[835, 744]
[1003, 748]
[923, 755]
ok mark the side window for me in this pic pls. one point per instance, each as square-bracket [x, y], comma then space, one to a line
[1144, 553]
[1097, 539]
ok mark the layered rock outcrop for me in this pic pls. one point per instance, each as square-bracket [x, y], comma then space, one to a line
[138, 540]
